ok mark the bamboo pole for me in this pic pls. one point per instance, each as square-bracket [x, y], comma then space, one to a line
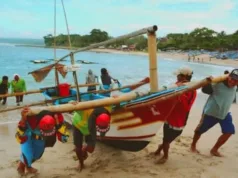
[43, 89]
[75, 77]
[152, 49]
[136, 85]
[126, 97]
[71, 54]
[56, 72]
[123, 37]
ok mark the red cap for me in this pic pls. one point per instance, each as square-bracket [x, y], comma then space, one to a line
[47, 123]
[103, 120]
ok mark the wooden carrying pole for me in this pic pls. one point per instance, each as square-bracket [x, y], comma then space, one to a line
[133, 86]
[152, 49]
[43, 89]
[112, 101]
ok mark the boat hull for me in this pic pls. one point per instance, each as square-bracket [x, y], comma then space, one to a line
[133, 128]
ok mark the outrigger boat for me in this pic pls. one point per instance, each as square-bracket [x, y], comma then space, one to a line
[136, 117]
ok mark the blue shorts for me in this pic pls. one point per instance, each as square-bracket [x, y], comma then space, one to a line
[208, 122]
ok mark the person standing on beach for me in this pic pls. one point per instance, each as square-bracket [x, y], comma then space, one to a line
[216, 110]
[174, 125]
[106, 82]
[35, 133]
[86, 124]
[91, 78]
[4, 86]
[18, 85]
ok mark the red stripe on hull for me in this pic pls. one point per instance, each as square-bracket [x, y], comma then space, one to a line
[150, 114]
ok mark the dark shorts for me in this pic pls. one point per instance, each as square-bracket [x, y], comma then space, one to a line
[170, 134]
[79, 137]
[208, 122]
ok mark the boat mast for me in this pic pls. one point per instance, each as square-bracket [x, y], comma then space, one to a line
[56, 72]
[152, 50]
[71, 54]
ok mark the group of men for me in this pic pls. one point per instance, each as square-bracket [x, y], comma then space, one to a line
[216, 110]
[35, 133]
[17, 85]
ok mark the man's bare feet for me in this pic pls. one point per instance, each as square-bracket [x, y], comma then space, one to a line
[161, 160]
[31, 170]
[158, 151]
[193, 149]
[215, 153]
[21, 169]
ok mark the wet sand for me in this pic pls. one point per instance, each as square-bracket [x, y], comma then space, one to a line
[203, 58]
[58, 162]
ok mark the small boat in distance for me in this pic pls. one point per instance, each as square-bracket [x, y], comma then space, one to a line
[39, 61]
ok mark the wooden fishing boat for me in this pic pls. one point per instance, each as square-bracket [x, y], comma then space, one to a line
[135, 116]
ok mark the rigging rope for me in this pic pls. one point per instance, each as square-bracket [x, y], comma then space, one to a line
[56, 72]
[66, 24]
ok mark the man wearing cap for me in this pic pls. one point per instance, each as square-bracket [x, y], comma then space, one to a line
[216, 110]
[18, 85]
[86, 124]
[35, 133]
[175, 124]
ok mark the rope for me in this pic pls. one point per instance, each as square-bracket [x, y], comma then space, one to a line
[66, 24]
[56, 72]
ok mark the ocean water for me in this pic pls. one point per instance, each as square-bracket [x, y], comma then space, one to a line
[126, 68]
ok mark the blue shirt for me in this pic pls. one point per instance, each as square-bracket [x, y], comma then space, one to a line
[220, 101]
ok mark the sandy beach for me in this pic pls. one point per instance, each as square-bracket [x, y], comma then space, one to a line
[58, 162]
[203, 58]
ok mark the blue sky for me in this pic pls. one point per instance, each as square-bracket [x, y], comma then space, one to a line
[35, 18]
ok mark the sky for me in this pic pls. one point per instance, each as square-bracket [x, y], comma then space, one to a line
[35, 18]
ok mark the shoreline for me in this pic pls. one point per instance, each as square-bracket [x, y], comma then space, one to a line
[200, 59]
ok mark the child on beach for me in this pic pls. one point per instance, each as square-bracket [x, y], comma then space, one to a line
[216, 110]
[86, 124]
[35, 134]
[174, 125]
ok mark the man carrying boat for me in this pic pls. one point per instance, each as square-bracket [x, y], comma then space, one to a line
[35, 133]
[216, 110]
[18, 85]
[86, 124]
[4, 86]
[175, 123]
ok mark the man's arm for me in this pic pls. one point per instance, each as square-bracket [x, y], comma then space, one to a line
[20, 135]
